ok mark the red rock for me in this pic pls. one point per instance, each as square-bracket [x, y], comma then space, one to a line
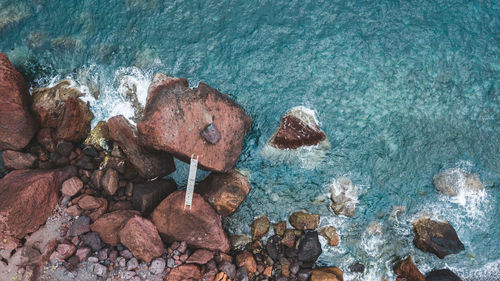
[224, 191]
[97, 213]
[82, 253]
[185, 272]
[120, 205]
[46, 139]
[65, 250]
[200, 256]
[298, 128]
[148, 195]
[74, 122]
[199, 226]
[71, 186]
[247, 260]
[88, 202]
[18, 160]
[17, 124]
[406, 269]
[184, 113]
[140, 236]
[109, 181]
[149, 164]
[28, 197]
[108, 225]
[73, 211]
[96, 177]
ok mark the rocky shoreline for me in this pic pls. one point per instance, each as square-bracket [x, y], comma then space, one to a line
[82, 204]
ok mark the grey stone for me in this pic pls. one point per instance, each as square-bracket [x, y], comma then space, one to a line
[80, 226]
[92, 240]
[170, 263]
[157, 266]
[211, 134]
[126, 254]
[132, 264]
[127, 275]
[93, 259]
[100, 270]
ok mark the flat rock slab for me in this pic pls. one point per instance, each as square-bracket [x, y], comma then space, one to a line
[176, 118]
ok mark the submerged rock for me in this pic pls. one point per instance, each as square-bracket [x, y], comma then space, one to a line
[149, 164]
[141, 237]
[17, 124]
[298, 128]
[327, 274]
[200, 226]
[442, 275]
[452, 181]
[406, 269]
[224, 191]
[304, 221]
[435, 237]
[184, 113]
[344, 197]
[108, 225]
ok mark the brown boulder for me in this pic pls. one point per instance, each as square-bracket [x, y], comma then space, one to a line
[140, 236]
[17, 123]
[149, 164]
[185, 272]
[327, 274]
[74, 121]
[406, 270]
[224, 191]
[435, 237]
[185, 113]
[298, 128]
[304, 221]
[17, 160]
[199, 226]
[148, 195]
[108, 225]
[330, 233]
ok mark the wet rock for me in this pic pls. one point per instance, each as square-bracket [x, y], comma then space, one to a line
[18, 160]
[274, 247]
[140, 236]
[149, 164]
[304, 221]
[246, 260]
[435, 237]
[309, 248]
[289, 238]
[92, 240]
[108, 225]
[74, 122]
[344, 197]
[82, 253]
[224, 191]
[157, 266]
[146, 196]
[200, 256]
[452, 181]
[442, 275]
[406, 269]
[65, 250]
[172, 106]
[279, 228]
[80, 226]
[330, 233]
[260, 226]
[357, 267]
[88, 202]
[327, 274]
[109, 181]
[17, 124]
[199, 226]
[239, 242]
[298, 128]
[71, 186]
[99, 136]
[184, 272]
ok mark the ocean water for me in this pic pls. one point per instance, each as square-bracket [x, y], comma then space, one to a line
[402, 89]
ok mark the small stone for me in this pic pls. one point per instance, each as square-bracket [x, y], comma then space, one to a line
[157, 266]
[127, 275]
[89, 202]
[260, 226]
[247, 260]
[113, 255]
[103, 254]
[64, 148]
[122, 262]
[274, 247]
[132, 264]
[289, 238]
[80, 226]
[100, 270]
[92, 240]
[73, 211]
[309, 248]
[82, 253]
[200, 256]
[229, 269]
[110, 181]
[304, 221]
[435, 237]
[126, 254]
[170, 262]
[211, 134]
[182, 247]
[93, 259]
[279, 228]
[406, 269]
[442, 275]
[357, 267]
[327, 274]
[344, 197]
[72, 186]
[65, 250]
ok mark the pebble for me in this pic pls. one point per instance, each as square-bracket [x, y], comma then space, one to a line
[93, 259]
[157, 266]
[170, 262]
[113, 255]
[122, 262]
[103, 254]
[182, 247]
[128, 275]
[132, 264]
[100, 270]
[126, 254]
[80, 226]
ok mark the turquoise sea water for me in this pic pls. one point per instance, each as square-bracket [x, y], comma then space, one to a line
[402, 89]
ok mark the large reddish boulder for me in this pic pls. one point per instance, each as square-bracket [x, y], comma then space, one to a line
[140, 236]
[28, 197]
[74, 122]
[224, 191]
[17, 124]
[18, 160]
[199, 121]
[199, 226]
[298, 128]
[406, 270]
[108, 225]
[149, 164]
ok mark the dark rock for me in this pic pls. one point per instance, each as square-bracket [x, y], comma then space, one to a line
[172, 106]
[309, 248]
[92, 240]
[406, 269]
[274, 247]
[435, 237]
[211, 134]
[199, 226]
[149, 164]
[64, 148]
[17, 125]
[246, 260]
[46, 139]
[148, 195]
[242, 274]
[304, 274]
[224, 191]
[74, 123]
[84, 162]
[228, 268]
[357, 267]
[442, 275]
[141, 237]
[18, 160]
[90, 151]
[80, 226]
[108, 225]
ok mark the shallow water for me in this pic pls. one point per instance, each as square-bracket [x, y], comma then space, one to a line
[402, 89]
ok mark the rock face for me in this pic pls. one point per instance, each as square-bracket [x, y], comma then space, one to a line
[304, 221]
[185, 113]
[17, 123]
[74, 122]
[199, 226]
[442, 275]
[344, 197]
[406, 269]
[108, 225]
[140, 236]
[28, 197]
[17, 160]
[435, 237]
[224, 191]
[148, 195]
[327, 274]
[149, 164]
[298, 128]
[452, 181]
